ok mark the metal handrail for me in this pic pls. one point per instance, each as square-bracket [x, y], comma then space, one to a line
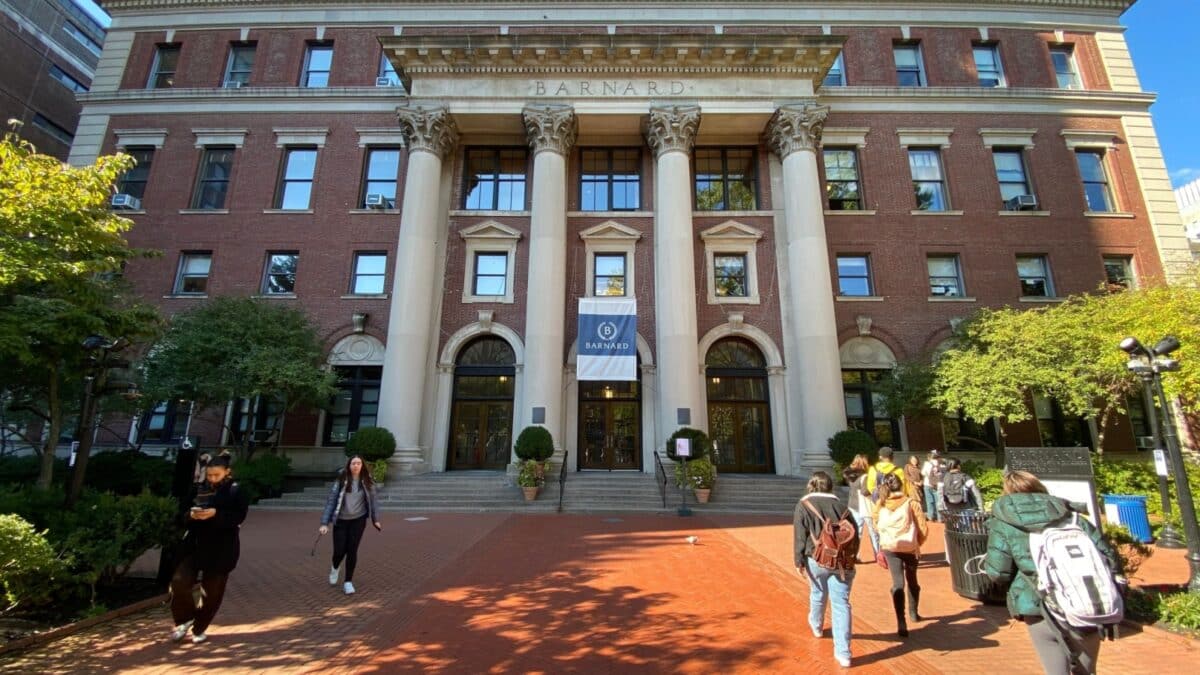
[562, 480]
[660, 470]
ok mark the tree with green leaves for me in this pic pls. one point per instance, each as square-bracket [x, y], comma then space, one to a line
[240, 348]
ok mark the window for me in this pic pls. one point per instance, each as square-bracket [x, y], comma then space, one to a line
[491, 273]
[909, 70]
[66, 80]
[1010, 173]
[193, 273]
[729, 272]
[841, 179]
[370, 273]
[387, 70]
[963, 433]
[166, 60]
[83, 38]
[987, 64]
[1064, 68]
[165, 423]
[610, 179]
[213, 182]
[356, 405]
[296, 182]
[929, 184]
[280, 277]
[1095, 181]
[945, 276]
[258, 416]
[383, 170]
[725, 179]
[1139, 420]
[496, 179]
[854, 275]
[317, 61]
[864, 407]
[241, 63]
[1034, 273]
[836, 77]
[48, 126]
[610, 274]
[1058, 430]
[1118, 272]
[134, 181]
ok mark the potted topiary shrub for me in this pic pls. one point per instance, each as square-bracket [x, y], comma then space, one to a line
[534, 446]
[844, 445]
[375, 445]
[701, 476]
[701, 444]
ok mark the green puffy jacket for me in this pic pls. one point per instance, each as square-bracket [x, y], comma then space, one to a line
[1008, 557]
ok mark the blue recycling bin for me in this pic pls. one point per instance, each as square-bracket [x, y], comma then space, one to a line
[1131, 514]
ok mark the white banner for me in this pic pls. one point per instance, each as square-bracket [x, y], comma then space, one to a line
[607, 341]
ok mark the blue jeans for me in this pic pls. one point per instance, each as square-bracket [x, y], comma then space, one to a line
[825, 584]
[931, 509]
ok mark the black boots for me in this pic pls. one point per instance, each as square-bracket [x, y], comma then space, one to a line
[914, 597]
[898, 605]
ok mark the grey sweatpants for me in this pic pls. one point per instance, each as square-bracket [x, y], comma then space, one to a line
[1052, 648]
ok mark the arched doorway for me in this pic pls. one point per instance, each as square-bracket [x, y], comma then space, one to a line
[482, 410]
[610, 429]
[739, 408]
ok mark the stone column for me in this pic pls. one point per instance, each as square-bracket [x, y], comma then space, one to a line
[430, 135]
[671, 133]
[552, 131]
[794, 134]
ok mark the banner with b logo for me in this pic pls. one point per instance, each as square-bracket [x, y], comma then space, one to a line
[607, 339]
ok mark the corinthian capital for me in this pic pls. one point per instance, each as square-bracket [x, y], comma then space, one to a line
[550, 127]
[429, 129]
[796, 127]
[673, 128]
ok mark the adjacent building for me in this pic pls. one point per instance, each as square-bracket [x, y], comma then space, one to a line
[798, 195]
[1188, 198]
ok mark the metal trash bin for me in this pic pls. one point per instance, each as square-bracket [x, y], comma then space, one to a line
[966, 538]
[1130, 512]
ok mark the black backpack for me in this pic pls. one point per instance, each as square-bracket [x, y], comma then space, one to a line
[954, 487]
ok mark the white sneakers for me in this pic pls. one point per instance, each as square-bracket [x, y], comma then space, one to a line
[180, 631]
[843, 661]
[333, 576]
[348, 588]
[198, 638]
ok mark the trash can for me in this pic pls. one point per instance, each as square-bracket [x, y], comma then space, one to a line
[966, 538]
[1130, 514]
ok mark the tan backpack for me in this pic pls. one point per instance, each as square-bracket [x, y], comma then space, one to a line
[897, 529]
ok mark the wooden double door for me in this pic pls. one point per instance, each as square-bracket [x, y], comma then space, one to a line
[610, 430]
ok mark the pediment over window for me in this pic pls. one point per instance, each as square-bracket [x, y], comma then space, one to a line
[610, 230]
[866, 352]
[492, 231]
[731, 230]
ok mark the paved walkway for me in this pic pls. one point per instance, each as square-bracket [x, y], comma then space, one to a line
[475, 593]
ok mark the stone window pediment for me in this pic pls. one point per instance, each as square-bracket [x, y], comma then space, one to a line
[731, 238]
[140, 137]
[1010, 138]
[933, 138]
[490, 230]
[489, 237]
[731, 231]
[610, 231]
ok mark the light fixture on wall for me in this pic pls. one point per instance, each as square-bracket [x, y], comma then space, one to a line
[608, 391]
[359, 321]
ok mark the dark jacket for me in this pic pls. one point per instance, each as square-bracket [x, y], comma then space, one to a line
[337, 494]
[1008, 557]
[214, 542]
[805, 525]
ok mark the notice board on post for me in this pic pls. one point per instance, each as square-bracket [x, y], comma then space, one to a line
[1066, 473]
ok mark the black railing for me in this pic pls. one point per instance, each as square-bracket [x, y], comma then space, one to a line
[660, 477]
[562, 480]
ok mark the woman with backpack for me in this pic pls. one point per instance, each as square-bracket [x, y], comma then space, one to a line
[932, 473]
[859, 499]
[825, 543]
[900, 525]
[958, 491]
[1025, 511]
[351, 502]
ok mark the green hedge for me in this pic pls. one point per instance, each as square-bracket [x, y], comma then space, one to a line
[262, 476]
[845, 444]
[26, 558]
[128, 472]
[1179, 609]
[701, 444]
[534, 443]
[24, 469]
[372, 444]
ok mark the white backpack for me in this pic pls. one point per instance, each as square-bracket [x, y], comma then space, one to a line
[897, 530]
[1073, 579]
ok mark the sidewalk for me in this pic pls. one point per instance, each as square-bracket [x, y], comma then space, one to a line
[474, 593]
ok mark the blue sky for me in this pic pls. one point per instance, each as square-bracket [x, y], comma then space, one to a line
[1160, 36]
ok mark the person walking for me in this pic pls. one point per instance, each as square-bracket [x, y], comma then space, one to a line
[958, 491]
[1026, 508]
[825, 540]
[932, 472]
[859, 499]
[209, 551]
[351, 501]
[882, 468]
[900, 524]
[912, 473]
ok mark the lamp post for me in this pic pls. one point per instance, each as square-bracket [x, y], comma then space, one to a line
[1156, 360]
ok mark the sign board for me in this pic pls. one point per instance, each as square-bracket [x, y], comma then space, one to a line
[1066, 473]
[683, 416]
[74, 451]
[1160, 463]
[683, 447]
[607, 340]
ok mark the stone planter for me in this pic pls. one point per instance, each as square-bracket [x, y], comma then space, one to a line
[530, 493]
[702, 495]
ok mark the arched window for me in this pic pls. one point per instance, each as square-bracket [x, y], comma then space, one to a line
[482, 413]
[739, 410]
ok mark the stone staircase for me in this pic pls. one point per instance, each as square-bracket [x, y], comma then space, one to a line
[586, 492]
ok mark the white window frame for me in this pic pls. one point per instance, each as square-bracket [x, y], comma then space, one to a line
[610, 237]
[489, 237]
[839, 67]
[731, 237]
[958, 269]
[922, 77]
[1070, 52]
[1130, 267]
[233, 47]
[994, 48]
[1050, 290]
[184, 256]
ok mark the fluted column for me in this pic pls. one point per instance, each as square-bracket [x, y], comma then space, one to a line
[814, 371]
[551, 130]
[671, 133]
[430, 135]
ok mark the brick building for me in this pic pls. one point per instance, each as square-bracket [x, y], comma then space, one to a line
[50, 49]
[797, 195]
